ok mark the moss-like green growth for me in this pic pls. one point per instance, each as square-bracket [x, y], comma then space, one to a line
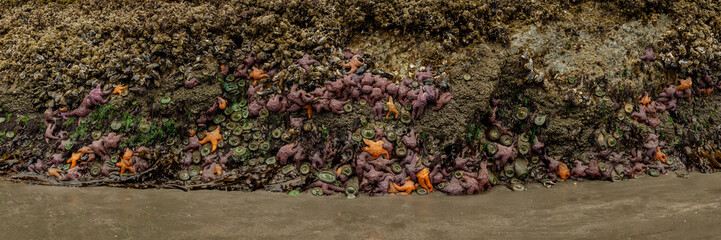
[104, 112]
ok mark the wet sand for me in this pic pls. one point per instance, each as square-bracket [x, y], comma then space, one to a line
[648, 208]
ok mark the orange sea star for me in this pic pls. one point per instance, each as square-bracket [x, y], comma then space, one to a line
[563, 172]
[685, 84]
[391, 107]
[257, 74]
[353, 64]
[424, 180]
[407, 187]
[375, 148]
[54, 172]
[213, 137]
[659, 155]
[645, 99]
[119, 89]
[309, 108]
[77, 155]
[221, 103]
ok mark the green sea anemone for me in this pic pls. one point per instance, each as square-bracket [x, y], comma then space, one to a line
[205, 151]
[116, 125]
[535, 159]
[197, 157]
[327, 176]
[348, 108]
[491, 148]
[316, 191]
[346, 169]
[263, 113]
[492, 178]
[396, 168]
[522, 113]
[286, 137]
[509, 171]
[458, 174]
[277, 132]
[95, 170]
[69, 145]
[237, 131]
[611, 141]
[540, 120]
[401, 151]
[113, 159]
[236, 107]
[520, 166]
[523, 137]
[96, 134]
[391, 136]
[518, 187]
[493, 133]
[236, 116]
[234, 141]
[194, 171]
[506, 140]
[287, 169]
[144, 127]
[264, 146]
[356, 137]
[253, 146]
[165, 100]
[219, 119]
[304, 168]
[307, 127]
[184, 175]
[351, 187]
[257, 135]
[652, 172]
[368, 133]
[523, 148]
[405, 118]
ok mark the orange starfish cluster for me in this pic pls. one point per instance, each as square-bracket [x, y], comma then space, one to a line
[77, 155]
[126, 161]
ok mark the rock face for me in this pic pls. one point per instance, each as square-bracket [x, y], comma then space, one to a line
[621, 90]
